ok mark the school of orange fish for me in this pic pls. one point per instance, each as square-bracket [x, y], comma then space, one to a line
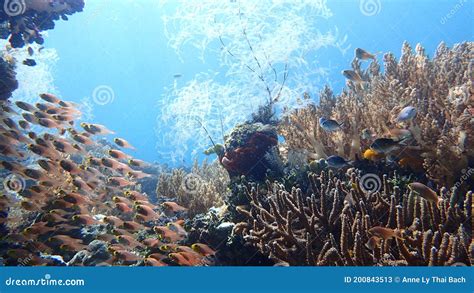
[68, 185]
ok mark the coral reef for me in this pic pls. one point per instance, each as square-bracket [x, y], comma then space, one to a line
[245, 150]
[199, 190]
[335, 222]
[440, 136]
[23, 21]
[8, 82]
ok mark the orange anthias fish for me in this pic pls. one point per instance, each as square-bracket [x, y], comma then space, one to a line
[385, 233]
[96, 129]
[152, 262]
[167, 234]
[147, 212]
[123, 143]
[425, 192]
[202, 249]
[174, 207]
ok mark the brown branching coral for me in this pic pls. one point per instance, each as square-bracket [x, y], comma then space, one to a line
[334, 223]
[202, 188]
[441, 89]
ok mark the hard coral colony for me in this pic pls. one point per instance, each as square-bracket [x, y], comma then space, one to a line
[347, 186]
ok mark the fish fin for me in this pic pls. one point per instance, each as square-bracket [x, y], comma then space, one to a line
[403, 140]
[440, 200]
[399, 233]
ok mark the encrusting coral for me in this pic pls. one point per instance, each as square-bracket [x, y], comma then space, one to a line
[335, 222]
[440, 136]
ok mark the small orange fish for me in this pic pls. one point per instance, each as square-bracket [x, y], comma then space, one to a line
[179, 259]
[202, 249]
[135, 195]
[69, 166]
[137, 174]
[25, 106]
[113, 220]
[174, 207]
[50, 98]
[80, 138]
[152, 242]
[126, 256]
[137, 163]
[372, 155]
[149, 261]
[167, 234]
[84, 220]
[119, 181]
[96, 129]
[385, 233]
[122, 199]
[116, 154]
[425, 192]
[124, 208]
[129, 241]
[373, 243]
[146, 211]
[123, 143]
[132, 226]
[158, 256]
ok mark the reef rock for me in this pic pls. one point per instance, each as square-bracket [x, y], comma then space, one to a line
[246, 148]
[8, 82]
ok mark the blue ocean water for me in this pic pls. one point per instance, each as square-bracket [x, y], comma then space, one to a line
[121, 44]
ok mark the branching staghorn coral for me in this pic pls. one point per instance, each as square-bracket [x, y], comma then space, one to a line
[330, 224]
[202, 188]
[261, 48]
[441, 89]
